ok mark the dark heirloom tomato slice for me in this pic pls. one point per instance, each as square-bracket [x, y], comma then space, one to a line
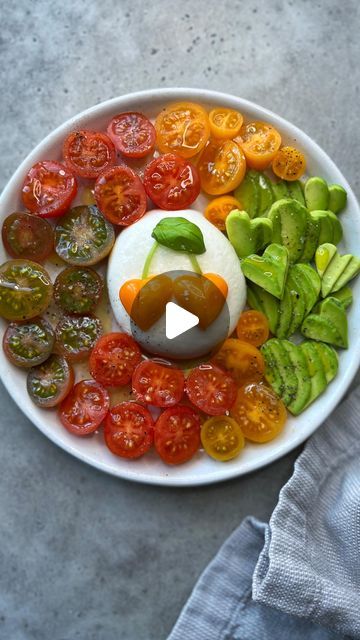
[48, 189]
[113, 359]
[50, 382]
[120, 195]
[211, 389]
[158, 384]
[84, 409]
[78, 289]
[27, 344]
[83, 236]
[177, 434]
[171, 182]
[129, 430]
[75, 336]
[132, 133]
[88, 153]
[27, 236]
[25, 289]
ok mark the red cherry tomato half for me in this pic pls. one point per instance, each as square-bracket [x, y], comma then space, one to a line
[48, 189]
[27, 236]
[171, 182]
[84, 409]
[120, 195]
[132, 134]
[177, 434]
[88, 153]
[128, 430]
[211, 389]
[113, 359]
[157, 384]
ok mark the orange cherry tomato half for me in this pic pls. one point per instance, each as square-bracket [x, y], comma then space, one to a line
[222, 438]
[259, 412]
[218, 209]
[182, 128]
[242, 360]
[129, 290]
[253, 327]
[219, 282]
[259, 142]
[289, 164]
[225, 123]
[221, 167]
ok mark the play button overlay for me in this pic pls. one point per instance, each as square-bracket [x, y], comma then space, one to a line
[178, 320]
[180, 315]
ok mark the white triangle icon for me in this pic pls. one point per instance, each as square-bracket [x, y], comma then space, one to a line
[178, 320]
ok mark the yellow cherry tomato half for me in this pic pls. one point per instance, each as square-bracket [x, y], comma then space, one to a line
[253, 327]
[221, 167]
[289, 163]
[222, 438]
[225, 123]
[259, 412]
[182, 128]
[241, 359]
[260, 143]
[219, 208]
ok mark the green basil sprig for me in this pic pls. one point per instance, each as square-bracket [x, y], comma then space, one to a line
[179, 234]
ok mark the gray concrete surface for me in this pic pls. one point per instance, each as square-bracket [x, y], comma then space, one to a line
[82, 555]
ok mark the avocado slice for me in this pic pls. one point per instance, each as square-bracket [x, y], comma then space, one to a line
[337, 198]
[301, 371]
[344, 295]
[266, 194]
[328, 325]
[263, 301]
[305, 274]
[280, 190]
[326, 231]
[329, 359]
[316, 194]
[337, 228]
[350, 271]
[334, 271]
[297, 291]
[272, 371]
[323, 256]
[278, 363]
[311, 240]
[247, 236]
[296, 191]
[289, 219]
[316, 370]
[285, 314]
[248, 193]
[269, 271]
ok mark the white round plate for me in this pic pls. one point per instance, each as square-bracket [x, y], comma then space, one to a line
[202, 469]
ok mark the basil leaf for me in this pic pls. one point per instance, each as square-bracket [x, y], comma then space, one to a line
[179, 234]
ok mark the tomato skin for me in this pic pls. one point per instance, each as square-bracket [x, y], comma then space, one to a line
[171, 182]
[27, 344]
[211, 389]
[132, 134]
[113, 359]
[84, 408]
[120, 195]
[259, 412]
[48, 189]
[76, 336]
[27, 236]
[25, 290]
[221, 167]
[260, 143]
[50, 382]
[129, 430]
[158, 384]
[182, 128]
[222, 438]
[253, 327]
[219, 208]
[88, 153]
[225, 123]
[78, 290]
[244, 361]
[177, 434]
[289, 164]
[83, 236]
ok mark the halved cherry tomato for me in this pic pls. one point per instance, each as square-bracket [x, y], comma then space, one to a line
[289, 164]
[120, 195]
[242, 360]
[27, 344]
[222, 438]
[88, 153]
[84, 408]
[260, 143]
[253, 327]
[129, 430]
[171, 182]
[177, 434]
[113, 359]
[183, 128]
[150, 302]
[27, 236]
[76, 336]
[219, 208]
[259, 412]
[83, 236]
[129, 290]
[219, 282]
[50, 382]
[132, 134]
[48, 189]
[25, 289]
[200, 295]
[225, 123]
[78, 290]
[211, 389]
[158, 384]
[221, 167]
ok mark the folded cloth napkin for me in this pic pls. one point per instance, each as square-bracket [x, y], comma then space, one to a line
[299, 576]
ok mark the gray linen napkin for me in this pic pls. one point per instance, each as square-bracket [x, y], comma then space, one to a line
[299, 576]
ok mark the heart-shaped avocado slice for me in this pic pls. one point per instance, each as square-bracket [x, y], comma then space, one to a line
[290, 225]
[269, 271]
[335, 270]
[328, 324]
[247, 236]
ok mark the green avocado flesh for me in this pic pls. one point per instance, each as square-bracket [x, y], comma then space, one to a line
[316, 194]
[269, 271]
[247, 236]
[289, 219]
[337, 198]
